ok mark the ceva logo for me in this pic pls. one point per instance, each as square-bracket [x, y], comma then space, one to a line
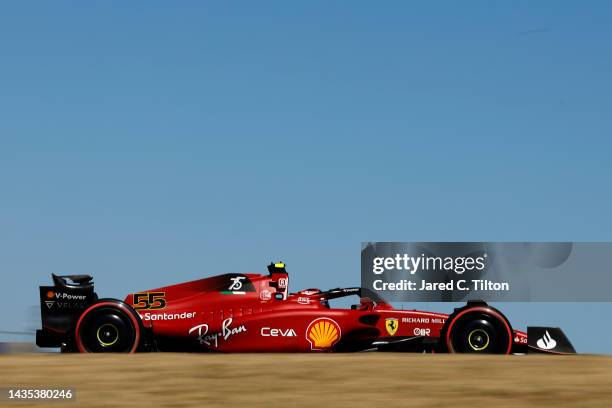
[269, 332]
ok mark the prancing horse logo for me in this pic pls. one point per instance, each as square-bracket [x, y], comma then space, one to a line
[392, 324]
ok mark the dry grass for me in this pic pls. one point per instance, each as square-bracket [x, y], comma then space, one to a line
[316, 380]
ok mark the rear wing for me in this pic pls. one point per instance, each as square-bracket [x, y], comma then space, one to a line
[78, 281]
[60, 307]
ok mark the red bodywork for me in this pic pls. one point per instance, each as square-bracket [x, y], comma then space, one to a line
[256, 313]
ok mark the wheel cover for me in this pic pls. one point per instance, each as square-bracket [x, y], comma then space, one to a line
[107, 334]
[478, 339]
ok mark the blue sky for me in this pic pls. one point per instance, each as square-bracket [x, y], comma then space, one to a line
[152, 143]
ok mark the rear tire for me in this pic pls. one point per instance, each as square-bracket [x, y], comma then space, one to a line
[109, 326]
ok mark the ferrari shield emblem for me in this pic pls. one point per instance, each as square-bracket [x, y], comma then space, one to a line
[392, 325]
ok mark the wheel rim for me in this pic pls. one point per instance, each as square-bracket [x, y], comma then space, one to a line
[107, 334]
[478, 339]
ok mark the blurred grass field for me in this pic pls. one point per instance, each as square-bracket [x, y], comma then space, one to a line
[314, 380]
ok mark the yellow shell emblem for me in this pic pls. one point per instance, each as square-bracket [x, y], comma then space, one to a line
[323, 333]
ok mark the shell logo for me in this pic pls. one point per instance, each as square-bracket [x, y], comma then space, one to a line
[323, 333]
[50, 294]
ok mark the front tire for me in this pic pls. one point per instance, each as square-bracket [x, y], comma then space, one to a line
[480, 330]
[109, 326]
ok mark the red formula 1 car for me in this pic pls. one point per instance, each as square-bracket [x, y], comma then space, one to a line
[256, 313]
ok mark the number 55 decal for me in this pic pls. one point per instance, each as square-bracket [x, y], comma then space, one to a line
[149, 300]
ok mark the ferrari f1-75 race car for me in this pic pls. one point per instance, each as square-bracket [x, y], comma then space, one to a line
[257, 313]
